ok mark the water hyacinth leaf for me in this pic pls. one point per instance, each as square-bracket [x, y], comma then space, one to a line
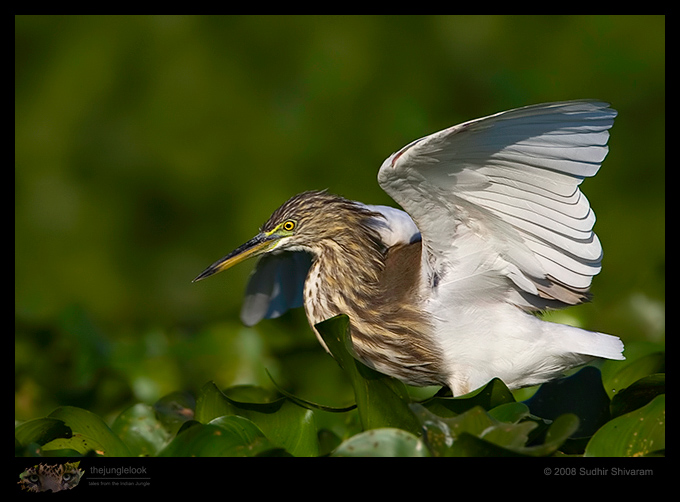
[436, 432]
[174, 409]
[491, 395]
[513, 436]
[474, 421]
[252, 440]
[478, 433]
[559, 432]
[510, 412]
[224, 437]
[212, 403]
[581, 394]
[638, 394]
[140, 429]
[635, 434]
[41, 431]
[387, 442]
[442, 433]
[467, 445]
[309, 404]
[90, 434]
[285, 423]
[510, 440]
[630, 373]
[382, 401]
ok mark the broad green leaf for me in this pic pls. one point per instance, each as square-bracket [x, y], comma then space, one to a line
[382, 401]
[282, 421]
[474, 421]
[638, 394]
[212, 402]
[493, 394]
[252, 441]
[508, 435]
[630, 373]
[467, 445]
[507, 441]
[308, 404]
[174, 409]
[635, 434]
[41, 431]
[230, 436]
[140, 429]
[561, 429]
[478, 433]
[581, 394]
[510, 412]
[442, 433]
[90, 433]
[387, 442]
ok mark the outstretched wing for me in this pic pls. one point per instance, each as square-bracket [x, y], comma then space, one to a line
[497, 198]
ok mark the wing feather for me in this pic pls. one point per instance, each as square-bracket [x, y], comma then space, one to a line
[508, 185]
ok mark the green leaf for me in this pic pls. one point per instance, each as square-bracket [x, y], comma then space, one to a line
[635, 434]
[141, 431]
[638, 394]
[467, 445]
[581, 394]
[442, 433]
[510, 412]
[212, 402]
[174, 409]
[41, 431]
[387, 442]
[561, 429]
[382, 401]
[630, 373]
[309, 404]
[229, 436]
[90, 434]
[479, 433]
[493, 394]
[509, 442]
[251, 440]
[511, 436]
[286, 424]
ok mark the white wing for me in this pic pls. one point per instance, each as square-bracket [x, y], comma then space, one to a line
[497, 198]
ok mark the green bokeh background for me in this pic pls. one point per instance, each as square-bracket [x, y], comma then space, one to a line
[147, 147]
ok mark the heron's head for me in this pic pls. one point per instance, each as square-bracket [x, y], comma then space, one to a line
[303, 223]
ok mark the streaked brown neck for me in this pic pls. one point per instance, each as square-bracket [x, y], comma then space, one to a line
[378, 289]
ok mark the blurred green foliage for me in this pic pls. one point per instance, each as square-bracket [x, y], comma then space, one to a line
[146, 147]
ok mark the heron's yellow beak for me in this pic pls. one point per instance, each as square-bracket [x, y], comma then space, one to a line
[259, 244]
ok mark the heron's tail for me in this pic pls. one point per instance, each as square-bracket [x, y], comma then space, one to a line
[589, 343]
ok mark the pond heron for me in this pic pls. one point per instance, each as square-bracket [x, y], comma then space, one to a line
[494, 229]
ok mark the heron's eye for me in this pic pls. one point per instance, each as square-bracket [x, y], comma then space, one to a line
[288, 225]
